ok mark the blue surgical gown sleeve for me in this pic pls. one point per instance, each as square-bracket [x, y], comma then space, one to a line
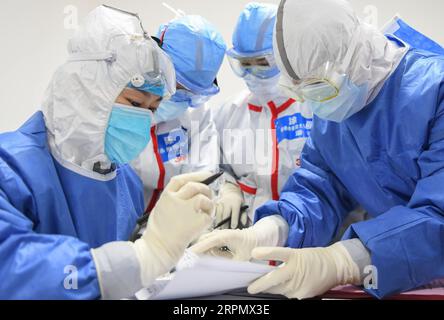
[313, 202]
[41, 266]
[406, 243]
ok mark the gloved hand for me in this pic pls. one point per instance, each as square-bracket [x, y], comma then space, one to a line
[307, 272]
[182, 212]
[266, 232]
[230, 202]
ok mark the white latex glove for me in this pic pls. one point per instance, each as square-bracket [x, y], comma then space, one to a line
[306, 273]
[229, 203]
[269, 231]
[181, 214]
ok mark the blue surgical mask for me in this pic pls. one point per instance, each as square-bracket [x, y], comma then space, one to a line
[169, 110]
[350, 100]
[128, 133]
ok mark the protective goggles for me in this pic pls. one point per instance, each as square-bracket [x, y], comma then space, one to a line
[161, 79]
[319, 88]
[325, 82]
[156, 81]
[261, 66]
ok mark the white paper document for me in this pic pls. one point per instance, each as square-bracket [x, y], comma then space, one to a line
[198, 276]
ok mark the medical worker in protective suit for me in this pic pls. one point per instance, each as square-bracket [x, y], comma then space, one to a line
[68, 200]
[184, 139]
[377, 140]
[276, 124]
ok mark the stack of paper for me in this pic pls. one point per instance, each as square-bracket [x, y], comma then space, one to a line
[198, 276]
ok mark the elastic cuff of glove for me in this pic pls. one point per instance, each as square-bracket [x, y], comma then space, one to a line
[359, 254]
[272, 231]
[118, 270]
[348, 272]
[155, 260]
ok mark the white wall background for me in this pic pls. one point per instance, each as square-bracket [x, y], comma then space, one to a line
[33, 39]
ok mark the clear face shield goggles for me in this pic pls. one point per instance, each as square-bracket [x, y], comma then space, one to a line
[325, 82]
[161, 79]
[261, 66]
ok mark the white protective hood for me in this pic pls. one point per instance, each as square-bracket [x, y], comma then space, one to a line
[309, 33]
[106, 52]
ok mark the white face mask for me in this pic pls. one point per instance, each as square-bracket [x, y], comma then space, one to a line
[262, 87]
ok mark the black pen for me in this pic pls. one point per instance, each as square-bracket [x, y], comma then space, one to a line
[213, 178]
[226, 220]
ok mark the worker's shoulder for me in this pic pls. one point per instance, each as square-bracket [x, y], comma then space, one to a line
[28, 140]
[229, 107]
[237, 100]
[430, 64]
[25, 160]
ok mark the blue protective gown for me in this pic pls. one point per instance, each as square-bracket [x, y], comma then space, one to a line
[389, 158]
[50, 218]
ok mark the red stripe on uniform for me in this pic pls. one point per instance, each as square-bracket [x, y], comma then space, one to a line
[161, 180]
[247, 189]
[275, 148]
[285, 105]
[254, 108]
[275, 160]
[153, 201]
